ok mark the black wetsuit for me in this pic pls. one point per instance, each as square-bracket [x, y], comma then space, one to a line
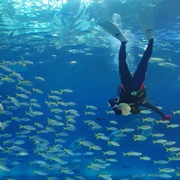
[132, 90]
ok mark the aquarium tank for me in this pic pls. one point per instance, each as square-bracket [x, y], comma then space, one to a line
[66, 112]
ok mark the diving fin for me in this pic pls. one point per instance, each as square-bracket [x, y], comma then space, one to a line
[113, 30]
[146, 21]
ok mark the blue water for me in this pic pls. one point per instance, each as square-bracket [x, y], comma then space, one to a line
[66, 47]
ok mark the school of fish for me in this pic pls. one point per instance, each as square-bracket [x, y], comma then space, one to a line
[41, 133]
[51, 128]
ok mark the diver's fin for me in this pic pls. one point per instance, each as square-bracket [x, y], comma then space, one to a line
[146, 21]
[113, 30]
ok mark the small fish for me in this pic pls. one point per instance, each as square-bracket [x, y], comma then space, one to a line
[1, 108]
[172, 125]
[21, 89]
[113, 143]
[68, 151]
[56, 110]
[113, 122]
[5, 135]
[148, 119]
[111, 160]
[5, 68]
[103, 137]
[62, 134]
[17, 75]
[24, 104]
[100, 160]
[156, 59]
[8, 63]
[169, 143]
[158, 135]
[28, 62]
[145, 111]
[58, 117]
[110, 112]
[33, 100]
[37, 113]
[4, 168]
[91, 107]
[56, 92]
[111, 128]
[139, 137]
[169, 65]
[66, 171]
[132, 153]
[25, 83]
[40, 162]
[57, 98]
[176, 112]
[162, 122]
[69, 127]
[164, 176]
[97, 148]
[144, 127]
[28, 127]
[175, 158]
[145, 158]
[161, 162]
[166, 170]
[100, 119]
[37, 90]
[160, 141]
[173, 149]
[7, 79]
[38, 125]
[24, 96]
[19, 142]
[71, 103]
[127, 130]
[2, 125]
[66, 90]
[22, 153]
[109, 153]
[105, 176]
[41, 173]
[39, 78]
[14, 101]
[90, 113]
[35, 105]
[89, 153]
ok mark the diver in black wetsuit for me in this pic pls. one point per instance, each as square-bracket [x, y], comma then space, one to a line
[132, 91]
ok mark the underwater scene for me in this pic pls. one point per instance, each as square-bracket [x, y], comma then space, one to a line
[58, 70]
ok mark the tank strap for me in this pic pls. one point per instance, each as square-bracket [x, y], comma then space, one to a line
[122, 87]
[142, 86]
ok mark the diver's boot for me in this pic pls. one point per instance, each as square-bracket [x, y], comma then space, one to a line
[149, 34]
[120, 36]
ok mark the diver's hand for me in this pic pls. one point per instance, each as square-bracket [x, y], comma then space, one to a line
[112, 103]
[167, 117]
[114, 106]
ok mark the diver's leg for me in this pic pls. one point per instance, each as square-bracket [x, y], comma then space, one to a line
[139, 75]
[125, 75]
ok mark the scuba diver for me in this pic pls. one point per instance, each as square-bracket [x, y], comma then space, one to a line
[132, 93]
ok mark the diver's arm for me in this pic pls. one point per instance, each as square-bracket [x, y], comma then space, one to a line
[154, 108]
[114, 105]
